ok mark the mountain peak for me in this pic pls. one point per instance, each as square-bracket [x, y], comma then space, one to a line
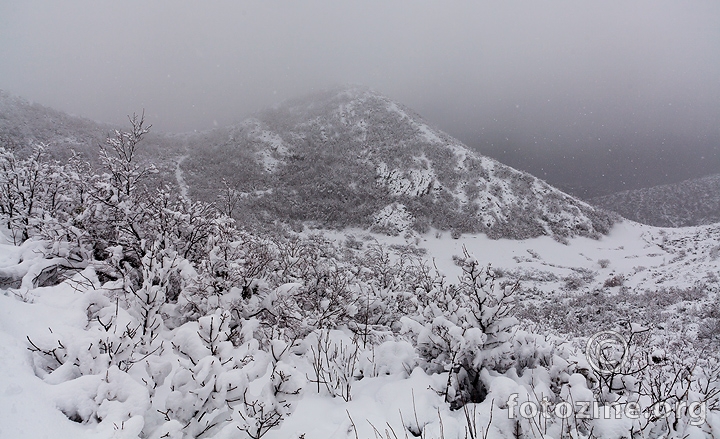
[352, 157]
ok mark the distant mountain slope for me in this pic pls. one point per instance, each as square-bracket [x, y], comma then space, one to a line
[688, 203]
[350, 157]
[24, 124]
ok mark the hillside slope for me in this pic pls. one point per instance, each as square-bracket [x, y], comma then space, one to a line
[351, 157]
[24, 125]
[688, 203]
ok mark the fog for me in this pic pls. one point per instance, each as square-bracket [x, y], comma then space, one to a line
[592, 96]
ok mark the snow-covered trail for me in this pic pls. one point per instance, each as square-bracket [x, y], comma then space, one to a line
[182, 184]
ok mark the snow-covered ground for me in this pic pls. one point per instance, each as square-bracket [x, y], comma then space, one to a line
[647, 257]
[393, 403]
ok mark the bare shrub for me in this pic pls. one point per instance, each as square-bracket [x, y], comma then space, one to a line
[574, 282]
[614, 281]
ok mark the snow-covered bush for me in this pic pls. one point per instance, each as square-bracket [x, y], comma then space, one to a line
[463, 328]
[673, 387]
[25, 189]
[235, 267]
[206, 377]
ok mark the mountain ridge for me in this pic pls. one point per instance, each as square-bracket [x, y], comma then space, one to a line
[691, 202]
[24, 125]
[352, 157]
[347, 156]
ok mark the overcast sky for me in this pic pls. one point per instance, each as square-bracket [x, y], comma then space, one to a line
[573, 76]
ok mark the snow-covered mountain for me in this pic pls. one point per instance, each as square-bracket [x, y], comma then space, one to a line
[23, 123]
[687, 203]
[351, 157]
[344, 157]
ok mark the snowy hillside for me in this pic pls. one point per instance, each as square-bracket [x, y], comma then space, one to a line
[688, 203]
[347, 157]
[24, 125]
